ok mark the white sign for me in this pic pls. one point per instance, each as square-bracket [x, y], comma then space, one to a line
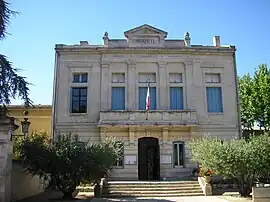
[166, 159]
[145, 41]
[130, 159]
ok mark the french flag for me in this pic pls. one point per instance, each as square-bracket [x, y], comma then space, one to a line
[148, 98]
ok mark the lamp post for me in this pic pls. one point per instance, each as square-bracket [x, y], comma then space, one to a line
[25, 124]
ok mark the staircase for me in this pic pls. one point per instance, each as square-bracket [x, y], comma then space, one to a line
[151, 189]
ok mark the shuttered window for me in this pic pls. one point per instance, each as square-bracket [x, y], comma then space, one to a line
[176, 98]
[118, 98]
[214, 99]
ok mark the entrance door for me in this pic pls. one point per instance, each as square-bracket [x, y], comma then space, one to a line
[148, 158]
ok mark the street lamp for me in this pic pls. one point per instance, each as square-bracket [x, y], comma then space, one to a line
[25, 124]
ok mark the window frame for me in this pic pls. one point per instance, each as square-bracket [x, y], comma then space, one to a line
[80, 74]
[184, 153]
[71, 99]
[211, 71]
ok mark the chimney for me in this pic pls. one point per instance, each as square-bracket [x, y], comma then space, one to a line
[216, 41]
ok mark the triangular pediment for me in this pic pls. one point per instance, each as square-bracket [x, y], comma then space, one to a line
[145, 30]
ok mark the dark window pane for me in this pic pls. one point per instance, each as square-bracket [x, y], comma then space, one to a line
[84, 78]
[175, 154]
[181, 154]
[79, 100]
[75, 91]
[76, 78]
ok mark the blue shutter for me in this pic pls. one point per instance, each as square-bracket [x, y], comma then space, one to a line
[214, 99]
[118, 98]
[176, 98]
[153, 96]
[142, 98]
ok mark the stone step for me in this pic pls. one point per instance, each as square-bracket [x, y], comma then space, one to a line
[151, 182]
[153, 188]
[149, 186]
[112, 195]
[130, 192]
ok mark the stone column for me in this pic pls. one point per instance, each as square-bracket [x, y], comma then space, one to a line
[7, 128]
[104, 86]
[131, 85]
[163, 92]
[190, 99]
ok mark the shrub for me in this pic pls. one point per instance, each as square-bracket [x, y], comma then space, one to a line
[66, 164]
[42, 137]
[243, 161]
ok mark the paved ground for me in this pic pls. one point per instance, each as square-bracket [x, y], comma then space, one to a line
[83, 198]
[179, 199]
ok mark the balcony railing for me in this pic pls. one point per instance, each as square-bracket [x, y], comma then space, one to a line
[151, 118]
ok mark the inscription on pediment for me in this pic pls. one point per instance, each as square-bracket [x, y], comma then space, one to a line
[145, 36]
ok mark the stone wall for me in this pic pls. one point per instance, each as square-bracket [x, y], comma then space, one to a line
[23, 184]
[7, 128]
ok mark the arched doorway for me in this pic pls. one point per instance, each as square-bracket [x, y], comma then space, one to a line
[148, 159]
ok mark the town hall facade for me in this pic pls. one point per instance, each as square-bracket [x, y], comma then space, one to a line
[100, 91]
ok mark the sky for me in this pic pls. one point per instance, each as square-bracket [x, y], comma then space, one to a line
[43, 23]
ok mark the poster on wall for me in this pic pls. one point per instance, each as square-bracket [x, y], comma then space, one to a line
[165, 159]
[130, 159]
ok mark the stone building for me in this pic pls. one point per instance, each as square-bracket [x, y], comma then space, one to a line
[100, 91]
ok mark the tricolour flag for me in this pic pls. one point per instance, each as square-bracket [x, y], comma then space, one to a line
[148, 98]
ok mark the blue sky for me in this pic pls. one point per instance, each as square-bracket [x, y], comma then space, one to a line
[44, 23]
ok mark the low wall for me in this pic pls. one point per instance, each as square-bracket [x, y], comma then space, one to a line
[261, 194]
[206, 188]
[23, 184]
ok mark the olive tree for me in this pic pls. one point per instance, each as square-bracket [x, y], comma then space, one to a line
[243, 161]
[66, 164]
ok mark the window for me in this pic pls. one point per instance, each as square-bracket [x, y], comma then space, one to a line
[214, 99]
[120, 161]
[142, 98]
[78, 102]
[176, 78]
[118, 98]
[178, 153]
[212, 78]
[176, 98]
[118, 77]
[80, 78]
[145, 77]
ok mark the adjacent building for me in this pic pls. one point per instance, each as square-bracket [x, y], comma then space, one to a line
[100, 91]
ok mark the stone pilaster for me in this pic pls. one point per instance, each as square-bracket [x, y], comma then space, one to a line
[163, 92]
[131, 136]
[131, 85]
[165, 135]
[104, 85]
[190, 98]
[103, 134]
[7, 128]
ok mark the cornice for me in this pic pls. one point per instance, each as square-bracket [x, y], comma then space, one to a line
[129, 50]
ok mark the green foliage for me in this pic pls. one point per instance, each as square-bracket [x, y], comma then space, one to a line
[244, 161]
[67, 163]
[254, 93]
[18, 140]
[12, 85]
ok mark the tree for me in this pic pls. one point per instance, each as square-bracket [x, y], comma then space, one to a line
[243, 161]
[254, 95]
[66, 164]
[12, 85]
